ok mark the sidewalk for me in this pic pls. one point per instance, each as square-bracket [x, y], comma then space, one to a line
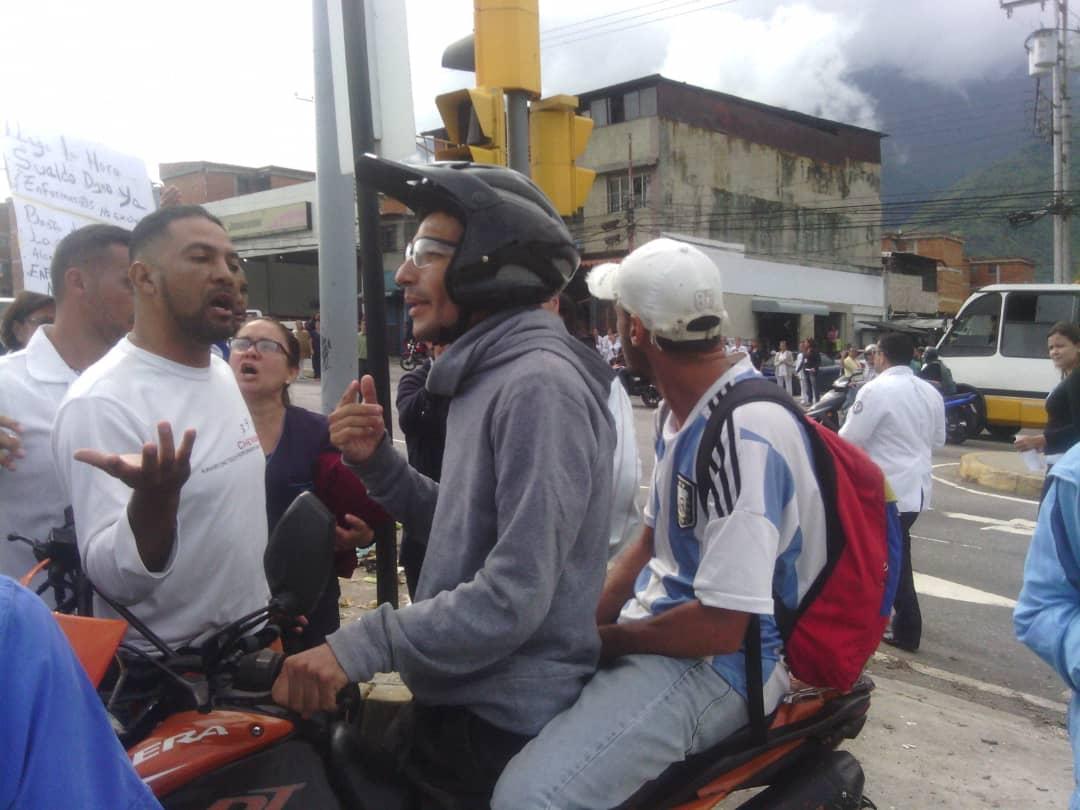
[923, 748]
[1001, 471]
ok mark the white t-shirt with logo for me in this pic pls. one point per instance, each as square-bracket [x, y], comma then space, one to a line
[215, 573]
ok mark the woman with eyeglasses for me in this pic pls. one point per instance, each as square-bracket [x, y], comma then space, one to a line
[265, 357]
[23, 316]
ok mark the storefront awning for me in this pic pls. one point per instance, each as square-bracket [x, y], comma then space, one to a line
[787, 306]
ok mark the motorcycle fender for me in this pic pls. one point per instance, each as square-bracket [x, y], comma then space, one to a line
[188, 745]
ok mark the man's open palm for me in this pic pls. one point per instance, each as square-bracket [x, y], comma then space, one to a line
[161, 468]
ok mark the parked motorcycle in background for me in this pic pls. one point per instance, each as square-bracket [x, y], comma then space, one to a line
[415, 353]
[831, 409]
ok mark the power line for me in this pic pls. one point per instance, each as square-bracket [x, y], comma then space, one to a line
[559, 42]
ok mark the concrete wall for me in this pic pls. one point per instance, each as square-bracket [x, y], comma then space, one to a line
[1001, 271]
[725, 188]
[954, 286]
[906, 294]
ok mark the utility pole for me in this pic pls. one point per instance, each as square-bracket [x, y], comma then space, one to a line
[1061, 125]
[1062, 236]
[630, 226]
[336, 216]
[371, 266]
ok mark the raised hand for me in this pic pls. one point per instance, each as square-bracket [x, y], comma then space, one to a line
[356, 425]
[160, 469]
[10, 442]
[155, 477]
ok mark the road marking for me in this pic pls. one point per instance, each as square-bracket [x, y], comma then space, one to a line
[945, 542]
[944, 589]
[963, 680]
[1020, 526]
[931, 539]
[976, 491]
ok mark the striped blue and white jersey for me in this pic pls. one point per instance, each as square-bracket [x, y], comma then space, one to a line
[763, 529]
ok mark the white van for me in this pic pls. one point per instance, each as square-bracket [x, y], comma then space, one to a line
[997, 344]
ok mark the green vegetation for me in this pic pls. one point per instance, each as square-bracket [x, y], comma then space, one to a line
[977, 208]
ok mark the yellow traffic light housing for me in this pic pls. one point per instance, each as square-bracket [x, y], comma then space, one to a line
[508, 44]
[557, 138]
[475, 121]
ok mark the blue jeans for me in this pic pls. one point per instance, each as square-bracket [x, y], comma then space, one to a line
[630, 723]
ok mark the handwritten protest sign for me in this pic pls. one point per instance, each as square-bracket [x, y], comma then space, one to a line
[60, 183]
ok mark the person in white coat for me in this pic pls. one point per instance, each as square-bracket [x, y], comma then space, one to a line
[784, 365]
[899, 420]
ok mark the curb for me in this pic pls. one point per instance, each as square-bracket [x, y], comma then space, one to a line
[977, 468]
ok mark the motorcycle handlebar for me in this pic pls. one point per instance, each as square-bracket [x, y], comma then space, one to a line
[257, 671]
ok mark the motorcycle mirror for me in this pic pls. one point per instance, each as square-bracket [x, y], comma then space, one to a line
[299, 555]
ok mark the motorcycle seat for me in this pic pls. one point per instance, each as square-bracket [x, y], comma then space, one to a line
[812, 714]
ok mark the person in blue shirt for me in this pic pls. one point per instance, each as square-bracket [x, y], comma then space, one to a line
[1047, 615]
[59, 749]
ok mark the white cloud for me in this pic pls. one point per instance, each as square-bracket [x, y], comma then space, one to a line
[216, 79]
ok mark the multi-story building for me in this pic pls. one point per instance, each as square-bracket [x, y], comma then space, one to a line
[790, 192]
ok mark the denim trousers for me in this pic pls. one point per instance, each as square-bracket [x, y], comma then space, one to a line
[630, 723]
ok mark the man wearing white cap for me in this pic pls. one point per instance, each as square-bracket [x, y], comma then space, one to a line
[677, 603]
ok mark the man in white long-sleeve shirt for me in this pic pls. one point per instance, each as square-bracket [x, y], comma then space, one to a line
[899, 419]
[176, 533]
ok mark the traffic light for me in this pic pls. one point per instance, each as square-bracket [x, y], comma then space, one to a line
[508, 44]
[557, 138]
[475, 121]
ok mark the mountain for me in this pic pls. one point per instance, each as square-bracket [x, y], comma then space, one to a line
[960, 160]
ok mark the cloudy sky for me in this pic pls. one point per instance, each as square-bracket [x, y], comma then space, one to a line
[231, 80]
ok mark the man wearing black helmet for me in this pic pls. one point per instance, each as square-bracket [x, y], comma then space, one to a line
[501, 637]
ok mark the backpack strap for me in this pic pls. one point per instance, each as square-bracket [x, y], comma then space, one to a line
[754, 389]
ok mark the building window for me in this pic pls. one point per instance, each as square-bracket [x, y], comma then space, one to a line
[598, 112]
[250, 183]
[618, 192]
[639, 103]
[929, 280]
[647, 102]
[388, 239]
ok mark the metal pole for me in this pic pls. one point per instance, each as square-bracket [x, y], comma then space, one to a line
[1058, 75]
[631, 228]
[1066, 127]
[337, 229]
[367, 200]
[517, 131]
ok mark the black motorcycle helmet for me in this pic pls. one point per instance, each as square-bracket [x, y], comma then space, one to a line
[515, 250]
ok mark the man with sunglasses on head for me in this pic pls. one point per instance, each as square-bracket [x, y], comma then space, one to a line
[501, 636]
[174, 527]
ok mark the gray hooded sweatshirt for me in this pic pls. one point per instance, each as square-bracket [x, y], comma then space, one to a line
[504, 620]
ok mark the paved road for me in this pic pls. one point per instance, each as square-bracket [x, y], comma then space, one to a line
[968, 554]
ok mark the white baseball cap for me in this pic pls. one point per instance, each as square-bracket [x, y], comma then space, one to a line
[870, 348]
[672, 286]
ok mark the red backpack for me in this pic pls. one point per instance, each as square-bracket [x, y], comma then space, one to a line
[831, 634]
